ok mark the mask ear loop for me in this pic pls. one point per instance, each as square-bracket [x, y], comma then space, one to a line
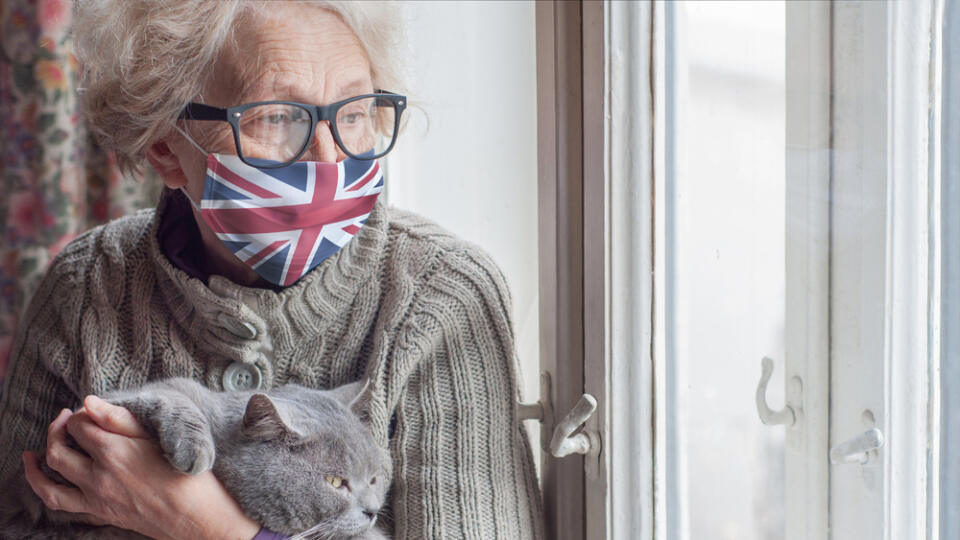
[194, 143]
[187, 135]
[189, 138]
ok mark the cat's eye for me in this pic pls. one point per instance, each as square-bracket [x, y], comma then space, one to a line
[335, 481]
[373, 480]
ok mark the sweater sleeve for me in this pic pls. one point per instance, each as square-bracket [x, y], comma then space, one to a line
[35, 388]
[462, 461]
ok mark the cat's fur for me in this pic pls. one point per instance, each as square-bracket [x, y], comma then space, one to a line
[272, 451]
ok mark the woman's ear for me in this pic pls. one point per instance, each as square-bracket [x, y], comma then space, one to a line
[167, 164]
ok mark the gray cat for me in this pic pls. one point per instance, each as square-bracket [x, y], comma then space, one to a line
[297, 460]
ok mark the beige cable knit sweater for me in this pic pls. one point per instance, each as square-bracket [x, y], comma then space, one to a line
[424, 314]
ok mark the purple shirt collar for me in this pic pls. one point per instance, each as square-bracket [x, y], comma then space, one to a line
[179, 237]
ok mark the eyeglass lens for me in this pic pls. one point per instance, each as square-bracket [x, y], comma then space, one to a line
[278, 132]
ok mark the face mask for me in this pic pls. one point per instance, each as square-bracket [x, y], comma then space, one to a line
[284, 222]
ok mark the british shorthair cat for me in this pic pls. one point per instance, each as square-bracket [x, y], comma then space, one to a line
[295, 459]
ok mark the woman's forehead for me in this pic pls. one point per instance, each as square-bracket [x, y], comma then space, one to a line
[292, 52]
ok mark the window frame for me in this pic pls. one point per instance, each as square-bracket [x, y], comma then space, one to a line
[596, 216]
[560, 217]
[605, 263]
[884, 297]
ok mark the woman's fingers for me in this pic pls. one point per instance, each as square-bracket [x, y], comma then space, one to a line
[55, 496]
[55, 432]
[101, 444]
[114, 418]
[73, 465]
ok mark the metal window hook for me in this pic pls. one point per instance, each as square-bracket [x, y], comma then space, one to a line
[786, 416]
[565, 439]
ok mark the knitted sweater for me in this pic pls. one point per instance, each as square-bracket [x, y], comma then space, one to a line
[422, 313]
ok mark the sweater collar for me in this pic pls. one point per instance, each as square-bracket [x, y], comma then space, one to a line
[243, 322]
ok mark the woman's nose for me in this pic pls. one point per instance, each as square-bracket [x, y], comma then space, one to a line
[323, 148]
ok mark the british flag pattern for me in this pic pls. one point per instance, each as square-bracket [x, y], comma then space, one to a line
[283, 222]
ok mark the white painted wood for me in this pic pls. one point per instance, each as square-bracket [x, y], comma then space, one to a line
[858, 286]
[663, 164]
[633, 435]
[936, 303]
[672, 505]
[880, 283]
[908, 355]
[807, 268]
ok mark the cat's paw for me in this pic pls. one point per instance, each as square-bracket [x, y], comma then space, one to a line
[189, 447]
[182, 431]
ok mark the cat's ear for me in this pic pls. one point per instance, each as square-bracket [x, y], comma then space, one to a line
[352, 394]
[263, 421]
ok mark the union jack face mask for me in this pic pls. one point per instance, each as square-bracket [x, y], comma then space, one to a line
[285, 221]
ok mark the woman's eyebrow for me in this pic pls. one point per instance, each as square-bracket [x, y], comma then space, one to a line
[291, 93]
[351, 89]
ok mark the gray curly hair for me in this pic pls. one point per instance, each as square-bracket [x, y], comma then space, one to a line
[140, 59]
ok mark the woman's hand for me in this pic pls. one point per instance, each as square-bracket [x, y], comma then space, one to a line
[125, 480]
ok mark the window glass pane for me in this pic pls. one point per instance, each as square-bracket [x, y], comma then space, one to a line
[730, 277]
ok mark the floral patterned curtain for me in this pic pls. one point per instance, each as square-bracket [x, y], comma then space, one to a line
[56, 182]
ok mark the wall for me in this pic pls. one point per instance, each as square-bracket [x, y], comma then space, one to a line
[467, 158]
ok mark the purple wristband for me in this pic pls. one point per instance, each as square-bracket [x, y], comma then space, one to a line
[267, 534]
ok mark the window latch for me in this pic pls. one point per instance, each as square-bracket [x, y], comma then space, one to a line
[565, 439]
[857, 449]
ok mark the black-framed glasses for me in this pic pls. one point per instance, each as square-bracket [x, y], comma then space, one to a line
[271, 134]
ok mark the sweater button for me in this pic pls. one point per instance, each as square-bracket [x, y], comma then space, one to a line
[240, 376]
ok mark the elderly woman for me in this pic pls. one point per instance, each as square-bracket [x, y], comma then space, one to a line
[268, 260]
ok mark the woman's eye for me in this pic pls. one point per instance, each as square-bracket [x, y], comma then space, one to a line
[278, 118]
[335, 481]
[352, 118]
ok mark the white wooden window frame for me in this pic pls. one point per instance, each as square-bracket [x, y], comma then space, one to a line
[597, 312]
[884, 295]
[863, 291]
